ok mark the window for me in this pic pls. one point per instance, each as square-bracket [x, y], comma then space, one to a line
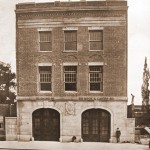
[1, 125]
[96, 40]
[70, 78]
[85, 122]
[105, 123]
[45, 41]
[70, 40]
[37, 123]
[96, 78]
[95, 126]
[45, 78]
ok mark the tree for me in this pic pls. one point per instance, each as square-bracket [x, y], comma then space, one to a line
[7, 84]
[145, 86]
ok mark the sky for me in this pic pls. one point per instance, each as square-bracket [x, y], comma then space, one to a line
[138, 40]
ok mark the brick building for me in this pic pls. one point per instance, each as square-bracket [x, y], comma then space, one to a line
[72, 71]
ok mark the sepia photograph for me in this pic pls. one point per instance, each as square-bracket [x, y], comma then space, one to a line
[75, 74]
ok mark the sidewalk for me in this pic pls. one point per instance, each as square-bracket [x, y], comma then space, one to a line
[71, 146]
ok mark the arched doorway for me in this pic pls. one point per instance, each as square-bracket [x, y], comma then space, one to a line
[46, 124]
[96, 125]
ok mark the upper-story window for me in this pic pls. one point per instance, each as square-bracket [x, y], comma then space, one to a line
[45, 40]
[96, 40]
[1, 125]
[70, 78]
[70, 40]
[96, 78]
[45, 73]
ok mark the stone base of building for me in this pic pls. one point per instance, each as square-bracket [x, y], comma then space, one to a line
[70, 139]
[124, 139]
[25, 138]
[71, 120]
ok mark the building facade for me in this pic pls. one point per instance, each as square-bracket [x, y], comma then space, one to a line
[141, 116]
[4, 112]
[72, 71]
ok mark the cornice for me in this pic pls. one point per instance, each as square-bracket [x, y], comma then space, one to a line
[66, 16]
[70, 9]
[86, 21]
[68, 24]
[99, 18]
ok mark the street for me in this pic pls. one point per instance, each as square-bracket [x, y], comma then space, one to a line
[70, 146]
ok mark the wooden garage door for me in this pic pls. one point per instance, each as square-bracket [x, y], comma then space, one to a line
[96, 125]
[46, 125]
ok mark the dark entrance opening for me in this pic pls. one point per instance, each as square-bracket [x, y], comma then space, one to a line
[96, 125]
[46, 125]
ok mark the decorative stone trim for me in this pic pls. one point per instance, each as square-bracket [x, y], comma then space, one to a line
[77, 98]
[102, 98]
[70, 64]
[69, 28]
[34, 98]
[88, 18]
[70, 9]
[44, 64]
[95, 63]
[76, 13]
[76, 24]
[95, 28]
[70, 108]
[44, 29]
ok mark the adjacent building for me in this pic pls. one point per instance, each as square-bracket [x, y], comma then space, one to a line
[72, 71]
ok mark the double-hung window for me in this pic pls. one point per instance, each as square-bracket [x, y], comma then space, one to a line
[45, 73]
[45, 40]
[70, 40]
[96, 40]
[1, 125]
[96, 78]
[70, 78]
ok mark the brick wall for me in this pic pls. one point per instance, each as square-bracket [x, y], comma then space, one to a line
[114, 55]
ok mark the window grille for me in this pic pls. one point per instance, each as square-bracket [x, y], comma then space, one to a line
[96, 78]
[70, 75]
[45, 78]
